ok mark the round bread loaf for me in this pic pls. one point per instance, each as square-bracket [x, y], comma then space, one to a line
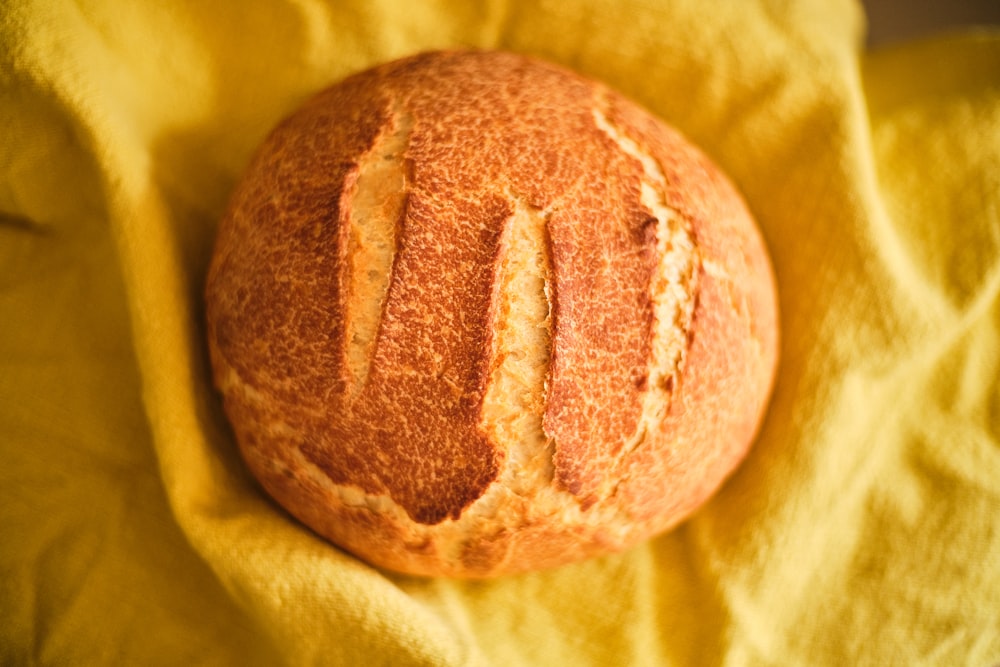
[472, 314]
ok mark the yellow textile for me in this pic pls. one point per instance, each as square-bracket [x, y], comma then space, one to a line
[864, 529]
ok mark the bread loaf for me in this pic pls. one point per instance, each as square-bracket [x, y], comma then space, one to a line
[471, 314]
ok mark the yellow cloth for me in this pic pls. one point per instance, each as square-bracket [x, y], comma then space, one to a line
[864, 529]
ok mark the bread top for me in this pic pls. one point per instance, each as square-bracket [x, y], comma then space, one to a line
[474, 269]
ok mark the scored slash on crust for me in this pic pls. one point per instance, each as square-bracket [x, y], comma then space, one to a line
[376, 206]
[514, 401]
[672, 284]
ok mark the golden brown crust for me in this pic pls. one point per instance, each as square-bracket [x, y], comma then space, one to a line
[388, 392]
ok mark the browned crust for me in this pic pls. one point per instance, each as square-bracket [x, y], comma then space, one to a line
[487, 128]
[602, 263]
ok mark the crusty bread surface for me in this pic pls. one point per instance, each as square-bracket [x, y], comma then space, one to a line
[473, 314]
